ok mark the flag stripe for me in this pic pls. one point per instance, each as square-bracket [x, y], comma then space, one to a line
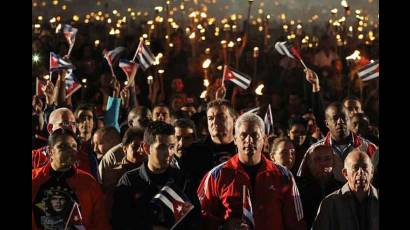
[278, 48]
[285, 49]
[165, 200]
[374, 75]
[240, 84]
[367, 70]
[173, 194]
[243, 78]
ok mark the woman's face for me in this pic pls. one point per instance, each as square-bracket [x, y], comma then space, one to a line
[284, 154]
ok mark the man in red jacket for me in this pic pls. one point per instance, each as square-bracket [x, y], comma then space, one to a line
[63, 194]
[274, 198]
[59, 118]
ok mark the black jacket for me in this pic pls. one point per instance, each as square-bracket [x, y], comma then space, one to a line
[132, 208]
[312, 194]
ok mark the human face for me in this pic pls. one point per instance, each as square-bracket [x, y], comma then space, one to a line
[160, 152]
[358, 172]
[65, 120]
[321, 162]
[284, 154]
[58, 202]
[249, 139]
[220, 124]
[161, 113]
[336, 123]
[352, 107]
[359, 125]
[85, 122]
[101, 145]
[64, 153]
[184, 139]
[297, 134]
[134, 151]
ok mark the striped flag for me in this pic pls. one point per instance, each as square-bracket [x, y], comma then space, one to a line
[369, 71]
[254, 110]
[75, 220]
[240, 79]
[247, 214]
[112, 55]
[39, 85]
[144, 55]
[57, 63]
[71, 85]
[296, 199]
[70, 33]
[130, 69]
[268, 119]
[174, 201]
[287, 49]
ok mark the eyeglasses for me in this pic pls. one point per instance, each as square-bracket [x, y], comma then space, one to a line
[66, 123]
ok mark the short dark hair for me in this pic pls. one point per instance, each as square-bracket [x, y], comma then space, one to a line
[351, 98]
[109, 131]
[185, 123]
[157, 128]
[83, 107]
[297, 121]
[161, 105]
[276, 143]
[222, 102]
[337, 105]
[58, 135]
[131, 134]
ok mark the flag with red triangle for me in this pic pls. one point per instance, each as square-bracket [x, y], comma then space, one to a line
[233, 75]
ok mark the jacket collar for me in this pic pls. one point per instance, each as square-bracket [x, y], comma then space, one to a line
[356, 141]
[235, 164]
[345, 190]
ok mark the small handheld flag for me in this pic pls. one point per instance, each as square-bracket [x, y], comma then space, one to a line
[112, 56]
[71, 85]
[287, 49]
[268, 119]
[247, 214]
[57, 63]
[240, 79]
[75, 219]
[70, 33]
[130, 69]
[144, 55]
[369, 71]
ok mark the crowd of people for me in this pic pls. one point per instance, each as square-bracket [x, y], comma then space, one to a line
[156, 154]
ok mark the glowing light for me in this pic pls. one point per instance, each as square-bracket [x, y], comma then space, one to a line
[84, 80]
[36, 58]
[259, 89]
[206, 82]
[96, 42]
[344, 3]
[46, 77]
[76, 18]
[334, 11]
[203, 94]
[161, 71]
[206, 63]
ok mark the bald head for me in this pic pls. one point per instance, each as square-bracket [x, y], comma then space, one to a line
[61, 118]
[104, 139]
[320, 161]
[358, 171]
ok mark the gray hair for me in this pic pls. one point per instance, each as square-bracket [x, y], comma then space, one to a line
[250, 118]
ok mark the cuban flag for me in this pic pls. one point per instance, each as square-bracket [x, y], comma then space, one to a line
[369, 71]
[113, 55]
[57, 63]
[268, 119]
[130, 69]
[240, 79]
[287, 49]
[39, 85]
[247, 214]
[75, 219]
[70, 33]
[144, 55]
[174, 202]
[71, 86]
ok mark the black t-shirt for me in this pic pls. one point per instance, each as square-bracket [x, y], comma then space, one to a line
[252, 170]
[54, 201]
[220, 152]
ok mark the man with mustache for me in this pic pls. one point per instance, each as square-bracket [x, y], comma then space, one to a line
[340, 138]
[356, 204]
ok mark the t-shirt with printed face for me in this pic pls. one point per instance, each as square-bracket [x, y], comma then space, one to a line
[54, 201]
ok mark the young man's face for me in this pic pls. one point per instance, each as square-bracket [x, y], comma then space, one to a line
[297, 134]
[336, 122]
[184, 139]
[64, 152]
[58, 202]
[85, 122]
[352, 107]
[161, 150]
[161, 113]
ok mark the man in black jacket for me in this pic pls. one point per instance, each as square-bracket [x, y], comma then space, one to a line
[133, 197]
